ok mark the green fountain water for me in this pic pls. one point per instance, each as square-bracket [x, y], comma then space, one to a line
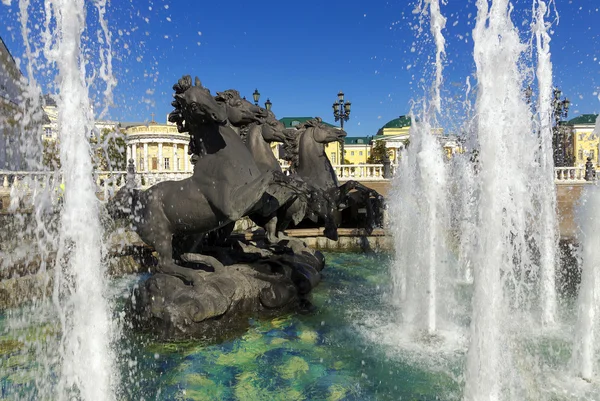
[327, 355]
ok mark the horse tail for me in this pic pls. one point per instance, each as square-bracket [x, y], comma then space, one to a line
[123, 203]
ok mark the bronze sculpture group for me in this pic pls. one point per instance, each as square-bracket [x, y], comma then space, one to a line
[203, 278]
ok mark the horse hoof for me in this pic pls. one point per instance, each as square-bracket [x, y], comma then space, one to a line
[331, 233]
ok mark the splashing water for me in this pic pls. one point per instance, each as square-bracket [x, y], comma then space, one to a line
[505, 208]
[584, 349]
[83, 360]
[547, 190]
[421, 210]
[85, 316]
[583, 358]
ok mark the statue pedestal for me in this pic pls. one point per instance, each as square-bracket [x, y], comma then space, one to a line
[233, 283]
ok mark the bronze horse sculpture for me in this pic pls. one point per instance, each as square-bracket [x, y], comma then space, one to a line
[258, 135]
[305, 149]
[226, 183]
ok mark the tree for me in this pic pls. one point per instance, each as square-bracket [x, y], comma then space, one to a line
[110, 150]
[51, 156]
[378, 152]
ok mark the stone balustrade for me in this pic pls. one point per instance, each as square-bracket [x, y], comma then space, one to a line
[366, 172]
[109, 182]
[574, 175]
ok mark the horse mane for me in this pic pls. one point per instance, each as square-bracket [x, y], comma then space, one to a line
[225, 97]
[291, 147]
[312, 123]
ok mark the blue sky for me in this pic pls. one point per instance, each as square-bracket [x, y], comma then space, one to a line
[300, 54]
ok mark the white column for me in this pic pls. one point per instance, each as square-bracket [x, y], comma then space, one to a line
[160, 157]
[134, 155]
[128, 155]
[174, 166]
[186, 158]
[146, 161]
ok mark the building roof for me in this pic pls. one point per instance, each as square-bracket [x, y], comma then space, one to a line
[357, 140]
[584, 119]
[290, 122]
[400, 122]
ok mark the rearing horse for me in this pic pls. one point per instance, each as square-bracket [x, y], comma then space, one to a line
[257, 134]
[226, 183]
[305, 147]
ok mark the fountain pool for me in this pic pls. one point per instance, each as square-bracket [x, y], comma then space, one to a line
[328, 355]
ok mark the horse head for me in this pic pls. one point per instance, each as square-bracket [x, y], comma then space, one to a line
[240, 112]
[273, 129]
[321, 132]
[195, 104]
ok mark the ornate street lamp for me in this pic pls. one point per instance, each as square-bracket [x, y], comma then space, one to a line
[341, 113]
[256, 96]
[268, 104]
[560, 108]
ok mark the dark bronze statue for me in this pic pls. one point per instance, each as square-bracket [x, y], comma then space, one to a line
[235, 175]
[305, 149]
[257, 130]
[226, 183]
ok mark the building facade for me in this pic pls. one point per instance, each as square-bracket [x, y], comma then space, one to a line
[396, 135]
[584, 140]
[157, 147]
[18, 147]
[357, 149]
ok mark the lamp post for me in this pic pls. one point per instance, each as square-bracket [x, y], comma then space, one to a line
[268, 104]
[341, 112]
[256, 96]
[560, 108]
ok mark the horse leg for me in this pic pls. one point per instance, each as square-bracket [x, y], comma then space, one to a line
[271, 231]
[366, 193]
[167, 265]
[161, 237]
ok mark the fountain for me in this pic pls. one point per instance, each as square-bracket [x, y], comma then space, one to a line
[506, 224]
[475, 316]
[68, 245]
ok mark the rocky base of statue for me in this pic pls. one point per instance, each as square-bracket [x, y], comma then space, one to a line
[231, 284]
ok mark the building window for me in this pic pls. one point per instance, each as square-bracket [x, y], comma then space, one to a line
[142, 166]
[167, 164]
[48, 132]
[333, 157]
[580, 155]
[360, 153]
[179, 164]
[352, 153]
[368, 153]
[592, 154]
[154, 163]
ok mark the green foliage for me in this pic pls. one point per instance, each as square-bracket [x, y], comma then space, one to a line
[378, 153]
[51, 156]
[110, 151]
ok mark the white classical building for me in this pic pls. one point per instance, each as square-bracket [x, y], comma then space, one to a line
[157, 147]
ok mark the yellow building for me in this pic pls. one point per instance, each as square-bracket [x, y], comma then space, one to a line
[357, 149]
[396, 135]
[584, 141]
[157, 147]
